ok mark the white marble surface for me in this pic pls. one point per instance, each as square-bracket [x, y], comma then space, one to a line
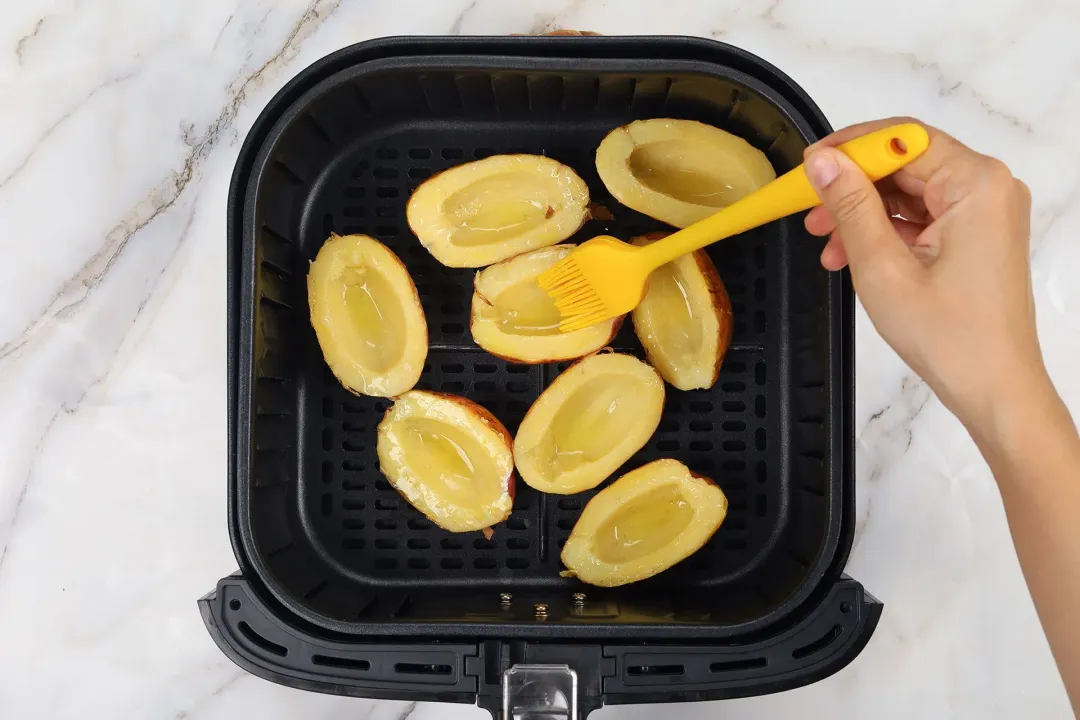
[119, 125]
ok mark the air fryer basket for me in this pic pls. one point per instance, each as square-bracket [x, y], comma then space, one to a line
[328, 549]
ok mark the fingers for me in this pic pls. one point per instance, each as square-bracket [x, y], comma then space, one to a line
[909, 232]
[869, 239]
[907, 183]
[819, 222]
[924, 248]
[858, 130]
[833, 257]
[903, 196]
[907, 207]
[897, 203]
[862, 221]
[948, 165]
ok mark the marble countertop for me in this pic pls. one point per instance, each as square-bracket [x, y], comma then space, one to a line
[120, 123]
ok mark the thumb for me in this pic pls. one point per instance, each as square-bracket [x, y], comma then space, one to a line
[862, 224]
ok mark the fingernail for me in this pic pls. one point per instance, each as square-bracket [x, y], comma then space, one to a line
[822, 169]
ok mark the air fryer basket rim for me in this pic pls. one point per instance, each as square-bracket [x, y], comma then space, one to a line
[471, 52]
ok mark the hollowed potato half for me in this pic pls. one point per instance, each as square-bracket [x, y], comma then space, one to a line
[367, 316]
[679, 171]
[684, 323]
[587, 423]
[450, 458]
[643, 523]
[514, 319]
[492, 209]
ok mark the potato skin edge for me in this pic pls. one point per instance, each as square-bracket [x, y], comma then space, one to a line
[721, 305]
[491, 421]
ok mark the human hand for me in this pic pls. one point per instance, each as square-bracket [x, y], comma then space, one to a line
[939, 258]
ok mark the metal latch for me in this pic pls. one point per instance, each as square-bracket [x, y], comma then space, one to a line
[539, 692]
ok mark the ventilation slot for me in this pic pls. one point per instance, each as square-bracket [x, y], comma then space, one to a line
[259, 641]
[420, 669]
[736, 665]
[340, 662]
[818, 645]
[646, 670]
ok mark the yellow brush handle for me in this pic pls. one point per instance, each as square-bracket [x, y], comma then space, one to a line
[879, 153]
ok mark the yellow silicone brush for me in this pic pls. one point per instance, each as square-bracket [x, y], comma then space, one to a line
[605, 277]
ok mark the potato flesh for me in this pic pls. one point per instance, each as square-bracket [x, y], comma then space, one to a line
[493, 209]
[681, 170]
[525, 309]
[684, 322]
[376, 314]
[643, 525]
[449, 458]
[672, 317]
[511, 317]
[591, 421]
[455, 465]
[497, 207]
[367, 316]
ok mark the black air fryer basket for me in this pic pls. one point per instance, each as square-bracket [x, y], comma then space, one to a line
[343, 588]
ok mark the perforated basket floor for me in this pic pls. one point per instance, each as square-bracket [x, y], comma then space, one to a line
[323, 527]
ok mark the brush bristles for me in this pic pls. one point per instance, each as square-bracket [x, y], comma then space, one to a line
[579, 303]
[582, 321]
[562, 274]
[573, 296]
[582, 313]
